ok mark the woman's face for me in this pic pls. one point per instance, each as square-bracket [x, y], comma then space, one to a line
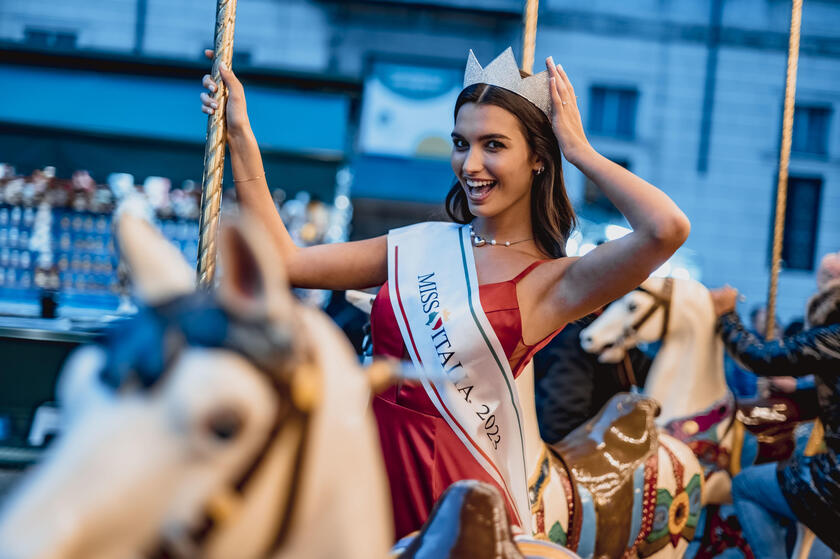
[492, 159]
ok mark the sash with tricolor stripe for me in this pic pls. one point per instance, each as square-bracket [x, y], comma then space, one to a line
[434, 293]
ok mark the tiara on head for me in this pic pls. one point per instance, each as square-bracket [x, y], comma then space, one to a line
[503, 72]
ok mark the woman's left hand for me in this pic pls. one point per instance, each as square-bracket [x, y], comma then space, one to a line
[565, 118]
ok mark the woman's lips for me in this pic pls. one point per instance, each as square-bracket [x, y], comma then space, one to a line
[478, 191]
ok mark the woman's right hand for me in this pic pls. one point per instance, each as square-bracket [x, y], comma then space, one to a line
[236, 112]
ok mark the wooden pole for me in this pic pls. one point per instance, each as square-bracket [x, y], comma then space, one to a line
[214, 147]
[529, 35]
[784, 161]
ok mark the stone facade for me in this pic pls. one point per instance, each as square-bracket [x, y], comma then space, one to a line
[709, 77]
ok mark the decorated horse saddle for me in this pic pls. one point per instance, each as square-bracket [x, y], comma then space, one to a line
[772, 420]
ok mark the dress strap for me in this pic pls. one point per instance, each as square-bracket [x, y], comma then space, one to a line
[521, 275]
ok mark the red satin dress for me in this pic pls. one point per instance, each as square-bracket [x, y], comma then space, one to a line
[423, 456]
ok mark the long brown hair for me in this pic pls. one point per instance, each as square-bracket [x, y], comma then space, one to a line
[552, 215]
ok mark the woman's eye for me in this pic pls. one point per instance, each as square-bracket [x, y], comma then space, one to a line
[459, 144]
[493, 144]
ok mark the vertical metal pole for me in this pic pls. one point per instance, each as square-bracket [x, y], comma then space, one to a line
[529, 38]
[214, 147]
[784, 161]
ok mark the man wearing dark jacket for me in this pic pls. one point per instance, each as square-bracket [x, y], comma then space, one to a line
[806, 489]
[570, 384]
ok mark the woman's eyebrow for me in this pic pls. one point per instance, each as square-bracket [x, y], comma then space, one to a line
[484, 137]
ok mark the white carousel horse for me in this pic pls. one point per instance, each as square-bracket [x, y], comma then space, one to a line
[251, 437]
[659, 491]
[687, 377]
[235, 425]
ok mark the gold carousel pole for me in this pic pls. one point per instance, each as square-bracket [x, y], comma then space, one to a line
[784, 161]
[214, 147]
[805, 537]
[529, 39]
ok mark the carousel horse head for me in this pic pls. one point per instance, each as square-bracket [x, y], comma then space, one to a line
[602, 451]
[659, 308]
[208, 425]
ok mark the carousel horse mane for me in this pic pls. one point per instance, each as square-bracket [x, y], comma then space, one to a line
[210, 425]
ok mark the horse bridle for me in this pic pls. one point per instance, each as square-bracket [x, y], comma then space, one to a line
[137, 352]
[660, 301]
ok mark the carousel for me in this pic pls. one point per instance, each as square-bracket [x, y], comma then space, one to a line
[228, 419]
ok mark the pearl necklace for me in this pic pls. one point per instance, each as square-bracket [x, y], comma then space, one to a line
[480, 241]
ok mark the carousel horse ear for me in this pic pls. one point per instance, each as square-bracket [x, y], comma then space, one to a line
[253, 278]
[384, 372]
[360, 299]
[158, 270]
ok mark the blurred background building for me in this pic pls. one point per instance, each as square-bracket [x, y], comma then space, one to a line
[686, 93]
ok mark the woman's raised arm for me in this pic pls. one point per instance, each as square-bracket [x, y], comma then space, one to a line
[616, 267]
[354, 265]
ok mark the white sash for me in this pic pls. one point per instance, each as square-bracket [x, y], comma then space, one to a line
[434, 293]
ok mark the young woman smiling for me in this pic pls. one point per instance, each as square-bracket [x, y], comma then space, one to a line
[456, 297]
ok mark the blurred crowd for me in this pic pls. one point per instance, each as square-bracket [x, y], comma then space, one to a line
[56, 234]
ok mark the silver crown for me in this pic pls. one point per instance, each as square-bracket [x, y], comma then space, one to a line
[503, 72]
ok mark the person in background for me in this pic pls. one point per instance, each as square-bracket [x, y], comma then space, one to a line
[829, 270]
[571, 385]
[803, 489]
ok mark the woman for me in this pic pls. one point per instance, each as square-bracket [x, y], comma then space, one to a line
[806, 489]
[474, 302]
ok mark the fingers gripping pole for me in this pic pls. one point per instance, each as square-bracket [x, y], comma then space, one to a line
[784, 160]
[214, 147]
[529, 39]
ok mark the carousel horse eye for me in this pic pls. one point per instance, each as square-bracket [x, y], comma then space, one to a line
[224, 424]
[632, 307]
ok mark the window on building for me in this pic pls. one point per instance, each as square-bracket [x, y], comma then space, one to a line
[801, 223]
[50, 38]
[810, 129]
[612, 111]
[597, 205]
